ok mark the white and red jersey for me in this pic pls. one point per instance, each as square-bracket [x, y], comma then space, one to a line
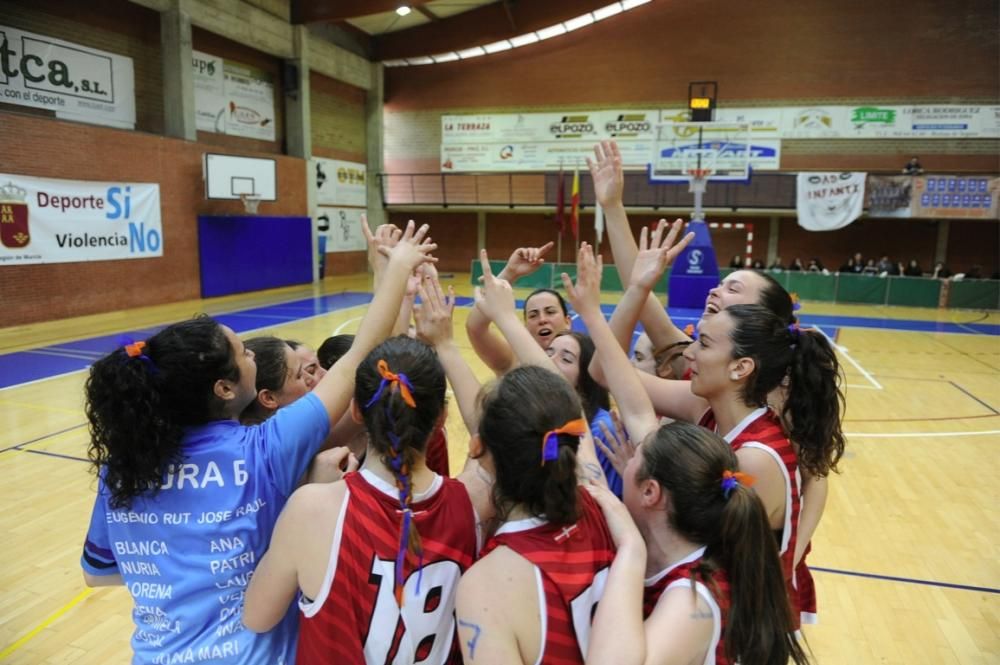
[762, 430]
[355, 619]
[571, 569]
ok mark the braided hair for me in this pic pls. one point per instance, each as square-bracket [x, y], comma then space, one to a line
[401, 388]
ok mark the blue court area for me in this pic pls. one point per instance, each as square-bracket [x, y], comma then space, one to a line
[45, 362]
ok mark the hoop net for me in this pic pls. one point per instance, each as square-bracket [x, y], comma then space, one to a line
[250, 203]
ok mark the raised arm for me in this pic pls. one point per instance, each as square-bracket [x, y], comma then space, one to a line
[496, 300]
[606, 171]
[336, 388]
[585, 295]
[490, 347]
[435, 327]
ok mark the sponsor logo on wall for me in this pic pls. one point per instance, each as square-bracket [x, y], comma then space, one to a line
[232, 98]
[44, 220]
[76, 82]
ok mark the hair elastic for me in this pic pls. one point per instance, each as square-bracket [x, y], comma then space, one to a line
[550, 440]
[395, 382]
[730, 479]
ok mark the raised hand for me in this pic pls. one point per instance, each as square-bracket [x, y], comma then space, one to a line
[386, 235]
[494, 297]
[606, 170]
[656, 253]
[434, 316]
[524, 261]
[619, 448]
[623, 529]
[585, 295]
[412, 249]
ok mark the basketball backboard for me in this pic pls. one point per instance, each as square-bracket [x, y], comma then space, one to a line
[712, 150]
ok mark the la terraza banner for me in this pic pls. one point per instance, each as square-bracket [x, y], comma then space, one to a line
[43, 220]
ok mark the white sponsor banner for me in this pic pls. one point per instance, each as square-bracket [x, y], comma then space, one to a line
[341, 227]
[77, 82]
[44, 220]
[621, 125]
[232, 98]
[340, 183]
[873, 121]
[537, 156]
[828, 201]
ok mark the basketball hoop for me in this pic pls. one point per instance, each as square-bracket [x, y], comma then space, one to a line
[698, 180]
[250, 203]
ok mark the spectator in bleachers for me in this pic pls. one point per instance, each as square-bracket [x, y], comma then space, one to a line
[913, 269]
[776, 265]
[941, 271]
[859, 262]
[884, 265]
[848, 266]
[758, 264]
[975, 272]
[913, 167]
[870, 268]
[796, 265]
[737, 262]
[815, 265]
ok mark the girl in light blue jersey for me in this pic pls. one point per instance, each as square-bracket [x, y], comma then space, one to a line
[187, 496]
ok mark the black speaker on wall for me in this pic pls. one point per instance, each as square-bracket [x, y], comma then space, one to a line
[290, 79]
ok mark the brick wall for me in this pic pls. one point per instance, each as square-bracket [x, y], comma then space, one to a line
[51, 148]
[338, 132]
[115, 26]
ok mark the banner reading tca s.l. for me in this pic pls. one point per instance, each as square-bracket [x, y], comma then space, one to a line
[45, 220]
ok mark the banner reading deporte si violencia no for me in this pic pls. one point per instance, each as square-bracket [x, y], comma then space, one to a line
[45, 220]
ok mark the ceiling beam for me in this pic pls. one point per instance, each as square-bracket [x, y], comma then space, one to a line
[313, 11]
[483, 25]
[426, 11]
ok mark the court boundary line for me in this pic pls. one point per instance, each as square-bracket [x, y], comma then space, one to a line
[41, 438]
[49, 453]
[904, 435]
[45, 623]
[992, 410]
[843, 351]
[906, 580]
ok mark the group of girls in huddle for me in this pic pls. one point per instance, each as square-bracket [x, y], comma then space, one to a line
[265, 503]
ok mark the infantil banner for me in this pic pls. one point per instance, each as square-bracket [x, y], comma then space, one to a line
[43, 220]
[232, 98]
[341, 227]
[76, 82]
[828, 201]
[340, 183]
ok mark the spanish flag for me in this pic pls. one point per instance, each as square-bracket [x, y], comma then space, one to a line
[574, 209]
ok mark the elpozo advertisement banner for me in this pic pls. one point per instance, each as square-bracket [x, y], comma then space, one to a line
[232, 98]
[44, 220]
[341, 227]
[544, 141]
[828, 201]
[340, 183]
[76, 82]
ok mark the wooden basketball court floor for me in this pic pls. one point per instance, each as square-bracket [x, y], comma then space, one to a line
[906, 560]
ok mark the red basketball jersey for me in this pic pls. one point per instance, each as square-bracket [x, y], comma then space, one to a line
[356, 618]
[762, 430]
[436, 452]
[681, 574]
[572, 563]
